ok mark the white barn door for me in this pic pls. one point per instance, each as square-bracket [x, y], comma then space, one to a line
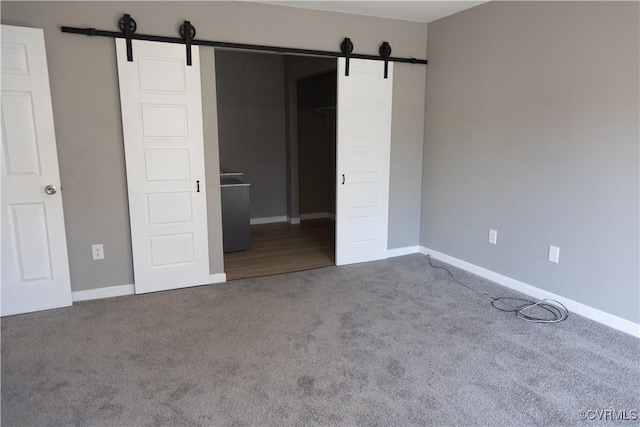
[35, 267]
[161, 106]
[363, 156]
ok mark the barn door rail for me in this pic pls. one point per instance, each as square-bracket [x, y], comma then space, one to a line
[128, 27]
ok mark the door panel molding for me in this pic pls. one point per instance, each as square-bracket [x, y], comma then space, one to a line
[161, 107]
[363, 157]
[35, 265]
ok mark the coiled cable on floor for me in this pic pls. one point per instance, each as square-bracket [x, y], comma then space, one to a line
[521, 307]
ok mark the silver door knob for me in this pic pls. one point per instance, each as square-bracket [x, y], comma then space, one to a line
[50, 190]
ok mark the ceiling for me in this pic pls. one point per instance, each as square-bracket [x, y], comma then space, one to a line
[417, 11]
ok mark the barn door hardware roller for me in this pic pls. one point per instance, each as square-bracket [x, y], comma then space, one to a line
[128, 29]
[346, 47]
[128, 26]
[188, 32]
[385, 51]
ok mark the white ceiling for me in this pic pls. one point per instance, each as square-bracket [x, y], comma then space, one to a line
[417, 11]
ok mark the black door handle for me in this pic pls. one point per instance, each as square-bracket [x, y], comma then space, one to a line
[342, 179]
[197, 186]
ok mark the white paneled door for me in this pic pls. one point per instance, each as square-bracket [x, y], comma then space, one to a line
[35, 267]
[363, 156]
[162, 122]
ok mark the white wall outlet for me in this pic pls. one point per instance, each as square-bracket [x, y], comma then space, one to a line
[493, 236]
[554, 254]
[97, 251]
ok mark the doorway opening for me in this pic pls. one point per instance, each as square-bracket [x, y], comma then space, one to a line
[277, 139]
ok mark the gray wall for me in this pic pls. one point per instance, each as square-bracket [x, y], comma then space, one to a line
[86, 107]
[407, 139]
[251, 122]
[532, 129]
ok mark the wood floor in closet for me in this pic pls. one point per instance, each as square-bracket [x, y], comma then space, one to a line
[283, 248]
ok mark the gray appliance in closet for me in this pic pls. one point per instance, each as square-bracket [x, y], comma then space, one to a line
[236, 229]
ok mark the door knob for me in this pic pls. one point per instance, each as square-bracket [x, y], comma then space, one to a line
[50, 190]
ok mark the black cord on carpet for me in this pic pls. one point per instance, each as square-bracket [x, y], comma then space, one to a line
[556, 311]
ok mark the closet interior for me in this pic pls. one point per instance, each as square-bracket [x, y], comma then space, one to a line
[277, 140]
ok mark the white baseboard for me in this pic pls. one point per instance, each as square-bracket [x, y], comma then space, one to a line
[122, 290]
[407, 250]
[107, 292]
[293, 221]
[317, 215]
[218, 278]
[599, 316]
[268, 220]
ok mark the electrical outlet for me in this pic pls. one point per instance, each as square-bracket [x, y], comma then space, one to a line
[493, 236]
[97, 251]
[554, 254]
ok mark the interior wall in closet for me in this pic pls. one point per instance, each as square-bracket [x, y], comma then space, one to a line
[317, 144]
[258, 130]
[251, 125]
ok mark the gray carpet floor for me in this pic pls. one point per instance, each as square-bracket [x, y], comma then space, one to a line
[393, 342]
